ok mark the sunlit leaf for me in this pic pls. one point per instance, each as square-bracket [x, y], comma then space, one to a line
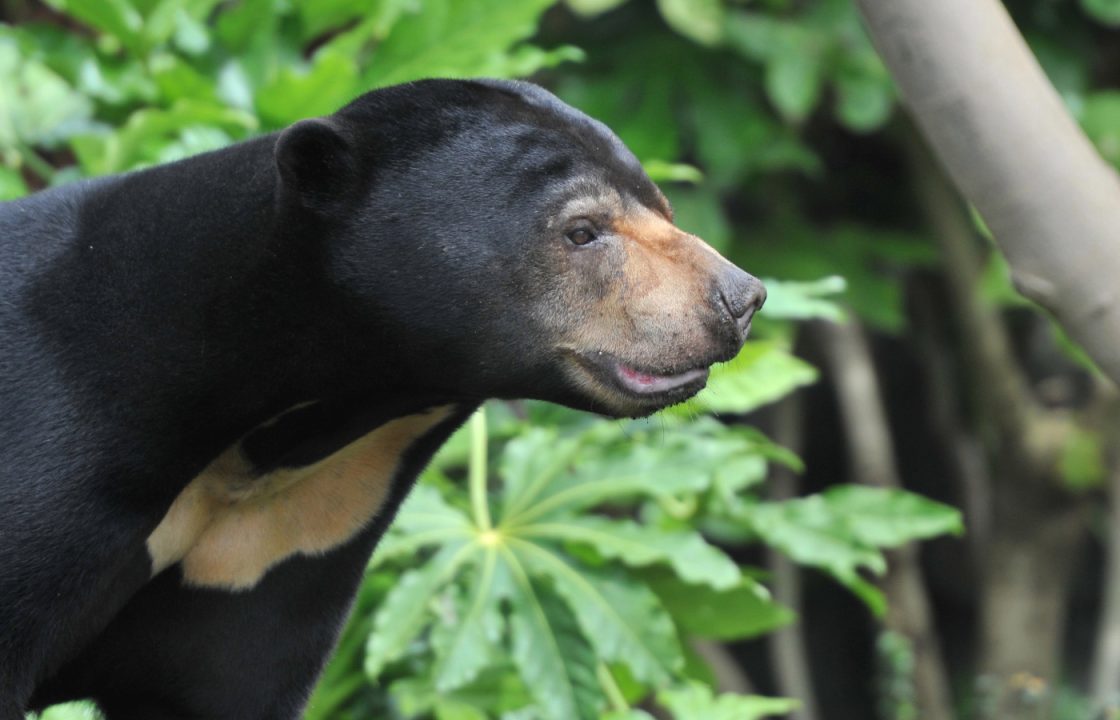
[453, 39]
[799, 300]
[762, 373]
[889, 518]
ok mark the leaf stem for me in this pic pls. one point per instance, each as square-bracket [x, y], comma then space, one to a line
[611, 688]
[476, 475]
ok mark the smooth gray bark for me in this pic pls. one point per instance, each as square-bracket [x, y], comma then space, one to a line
[1000, 129]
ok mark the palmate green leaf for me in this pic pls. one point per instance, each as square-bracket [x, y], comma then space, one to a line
[810, 532]
[453, 39]
[622, 619]
[763, 372]
[555, 663]
[645, 470]
[405, 613]
[424, 519]
[498, 690]
[685, 551]
[695, 702]
[744, 611]
[531, 461]
[842, 529]
[889, 518]
[470, 645]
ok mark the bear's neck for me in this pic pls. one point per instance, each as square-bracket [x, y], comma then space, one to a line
[188, 288]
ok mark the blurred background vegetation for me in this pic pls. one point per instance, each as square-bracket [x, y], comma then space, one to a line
[748, 555]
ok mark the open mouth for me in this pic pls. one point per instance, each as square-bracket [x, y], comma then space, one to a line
[652, 386]
[644, 383]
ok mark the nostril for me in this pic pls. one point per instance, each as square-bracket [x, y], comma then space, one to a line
[743, 300]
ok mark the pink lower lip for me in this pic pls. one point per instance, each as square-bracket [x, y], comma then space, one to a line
[642, 382]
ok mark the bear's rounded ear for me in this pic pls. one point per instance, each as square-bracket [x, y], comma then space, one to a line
[315, 162]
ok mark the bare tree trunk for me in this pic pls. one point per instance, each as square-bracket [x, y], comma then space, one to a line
[1024, 594]
[871, 460]
[1036, 525]
[1105, 687]
[787, 645]
[1000, 129]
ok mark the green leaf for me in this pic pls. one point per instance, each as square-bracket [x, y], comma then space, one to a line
[798, 300]
[889, 518]
[661, 171]
[1082, 461]
[676, 464]
[117, 18]
[809, 531]
[864, 91]
[453, 39]
[842, 529]
[148, 131]
[686, 551]
[12, 185]
[404, 613]
[794, 80]
[762, 373]
[470, 646]
[695, 702]
[330, 82]
[701, 21]
[530, 462]
[699, 211]
[1100, 118]
[37, 106]
[425, 518]
[1105, 11]
[591, 8]
[555, 663]
[622, 619]
[744, 611]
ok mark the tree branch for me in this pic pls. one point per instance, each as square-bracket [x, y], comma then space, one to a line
[1000, 129]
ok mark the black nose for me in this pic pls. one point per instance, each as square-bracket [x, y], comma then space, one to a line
[743, 295]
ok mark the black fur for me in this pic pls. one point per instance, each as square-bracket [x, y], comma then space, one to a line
[395, 256]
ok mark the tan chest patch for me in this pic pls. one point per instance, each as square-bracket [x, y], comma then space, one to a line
[229, 526]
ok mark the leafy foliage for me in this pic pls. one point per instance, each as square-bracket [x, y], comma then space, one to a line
[567, 578]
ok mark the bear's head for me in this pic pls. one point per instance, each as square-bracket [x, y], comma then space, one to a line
[499, 243]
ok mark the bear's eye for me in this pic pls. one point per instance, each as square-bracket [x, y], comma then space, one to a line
[581, 236]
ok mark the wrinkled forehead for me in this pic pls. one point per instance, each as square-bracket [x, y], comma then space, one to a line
[596, 197]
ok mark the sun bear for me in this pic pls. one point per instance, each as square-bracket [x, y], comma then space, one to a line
[219, 377]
